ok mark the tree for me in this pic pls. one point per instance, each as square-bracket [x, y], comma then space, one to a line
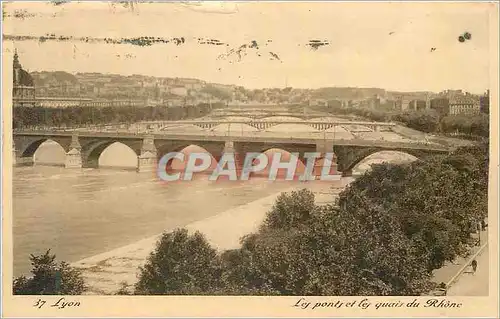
[423, 120]
[436, 202]
[181, 264]
[290, 210]
[49, 278]
[332, 253]
[477, 125]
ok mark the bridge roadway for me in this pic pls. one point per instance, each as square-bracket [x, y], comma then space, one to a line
[260, 125]
[269, 139]
[265, 124]
[84, 147]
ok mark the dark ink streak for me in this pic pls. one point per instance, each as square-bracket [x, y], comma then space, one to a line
[433, 49]
[140, 41]
[20, 14]
[178, 41]
[59, 2]
[126, 56]
[316, 44]
[274, 56]
[210, 41]
[243, 50]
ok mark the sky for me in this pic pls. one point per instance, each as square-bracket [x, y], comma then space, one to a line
[395, 46]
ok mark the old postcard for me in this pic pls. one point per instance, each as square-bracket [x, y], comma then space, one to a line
[243, 159]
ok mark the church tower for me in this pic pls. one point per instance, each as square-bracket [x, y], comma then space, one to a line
[23, 90]
[16, 67]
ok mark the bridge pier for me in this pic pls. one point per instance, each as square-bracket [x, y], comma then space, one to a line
[74, 156]
[19, 160]
[347, 173]
[229, 148]
[323, 147]
[24, 161]
[147, 161]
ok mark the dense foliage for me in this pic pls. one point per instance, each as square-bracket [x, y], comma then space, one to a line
[437, 203]
[181, 264]
[74, 116]
[478, 125]
[49, 278]
[423, 120]
[385, 235]
[290, 210]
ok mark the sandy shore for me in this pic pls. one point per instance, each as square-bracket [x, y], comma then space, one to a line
[106, 272]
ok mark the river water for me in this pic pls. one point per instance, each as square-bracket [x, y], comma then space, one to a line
[81, 213]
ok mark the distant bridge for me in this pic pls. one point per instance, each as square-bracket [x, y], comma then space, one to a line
[83, 147]
[265, 124]
[264, 113]
[64, 102]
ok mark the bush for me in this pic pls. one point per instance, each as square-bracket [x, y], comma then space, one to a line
[333, 253]
[436, 203]
[290, 210]
[478, 125]
[389, 229]
[424, 120]
[49, 278]
[181, 264]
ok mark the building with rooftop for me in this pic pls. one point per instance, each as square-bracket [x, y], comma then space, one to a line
[23, 87]
[464, 104]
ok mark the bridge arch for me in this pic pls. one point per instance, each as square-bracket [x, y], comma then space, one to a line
[286, 156]
[26, 146]
[91, 152]
[381, 156]
[50, 152]
[188, 148]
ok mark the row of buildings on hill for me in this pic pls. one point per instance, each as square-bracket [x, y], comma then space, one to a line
[89, 90]
[450, 102]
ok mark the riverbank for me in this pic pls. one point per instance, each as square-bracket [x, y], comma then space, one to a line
[106, 273]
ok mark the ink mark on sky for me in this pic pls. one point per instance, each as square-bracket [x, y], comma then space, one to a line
[316, 44]
[18, 14]
[243, 50]
[58, 2]
[464, 37]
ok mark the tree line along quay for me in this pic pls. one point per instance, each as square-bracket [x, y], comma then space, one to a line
[25, 117]
[384, 235]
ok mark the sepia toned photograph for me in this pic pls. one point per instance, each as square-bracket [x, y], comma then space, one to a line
[320, 154]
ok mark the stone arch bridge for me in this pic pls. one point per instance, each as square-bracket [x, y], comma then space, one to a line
[83, 149]
[267, 123]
